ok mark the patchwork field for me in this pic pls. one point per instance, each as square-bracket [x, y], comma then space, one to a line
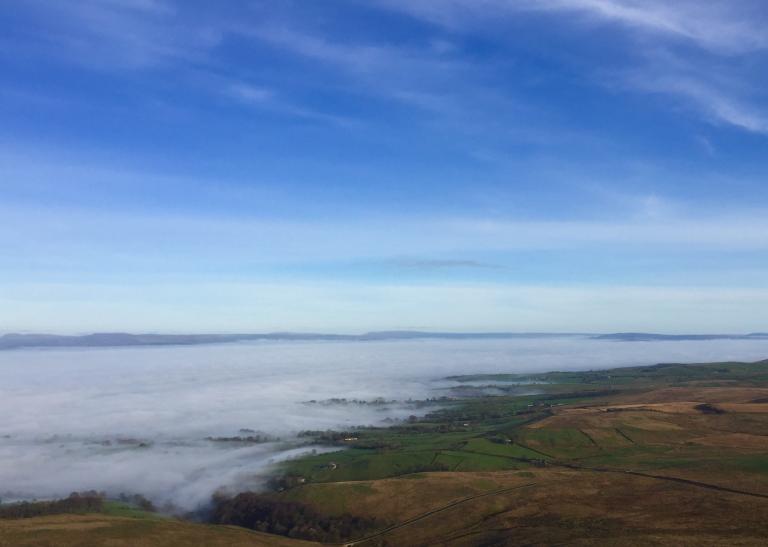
[638, 461]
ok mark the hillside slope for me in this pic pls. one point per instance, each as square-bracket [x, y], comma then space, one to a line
[95, 530]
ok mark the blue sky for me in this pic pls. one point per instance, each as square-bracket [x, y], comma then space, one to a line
[346, 165]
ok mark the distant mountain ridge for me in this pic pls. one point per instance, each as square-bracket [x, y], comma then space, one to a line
[122, 339]
[650, 337]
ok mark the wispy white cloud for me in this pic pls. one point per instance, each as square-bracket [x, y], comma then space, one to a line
[249, 93]
[357, 57]
[715, 28]
[723, 26]
[117, 34]
[719, 92]
[269, 100]
[432, 76]
[718, 106]
[424, 77]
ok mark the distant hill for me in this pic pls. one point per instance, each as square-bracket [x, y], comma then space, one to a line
[649, 337]
[121, 339]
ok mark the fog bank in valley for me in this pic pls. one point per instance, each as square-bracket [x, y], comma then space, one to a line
[136, 420]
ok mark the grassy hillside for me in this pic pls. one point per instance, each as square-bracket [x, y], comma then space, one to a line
[669, 454]
[99, 529]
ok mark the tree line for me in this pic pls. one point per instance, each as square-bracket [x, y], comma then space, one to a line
[292, 519]
[76, 502]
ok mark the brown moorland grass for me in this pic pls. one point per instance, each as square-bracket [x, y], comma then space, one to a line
[402, 498]
[735, 394]
[95, 530]
[599, 419]
[734, 440]
[555, 506]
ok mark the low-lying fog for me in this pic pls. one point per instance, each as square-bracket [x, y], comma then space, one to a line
[136, 420]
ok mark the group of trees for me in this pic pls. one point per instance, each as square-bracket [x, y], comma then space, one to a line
[341, 401]
[424, 468]
[258, 512]
[77, 502]
[138, 501]
[250, 439]
[329, 436]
